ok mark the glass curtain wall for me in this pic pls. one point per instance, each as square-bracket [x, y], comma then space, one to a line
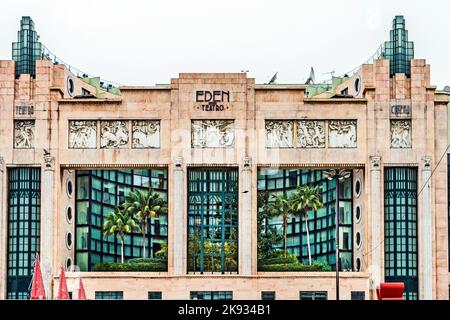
[212, 220]
[321, 223]
[24, 210]
[97, 193]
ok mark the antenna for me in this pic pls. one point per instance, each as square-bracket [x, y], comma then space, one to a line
[447, 89]
[332, 72]
[274, 78]
[312, 77]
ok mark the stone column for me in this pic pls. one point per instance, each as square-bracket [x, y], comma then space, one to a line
[245, 219]
[3, 235]
[376, 224]
[47, 222]
[425, 228]
[179, 223]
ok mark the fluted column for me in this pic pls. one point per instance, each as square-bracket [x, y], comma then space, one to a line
[179, 223]
[245, 218]
[376, 223]
[47, 222]
[3, 235]
[425, 227]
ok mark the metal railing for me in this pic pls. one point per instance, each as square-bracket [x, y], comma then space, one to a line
[104, 84]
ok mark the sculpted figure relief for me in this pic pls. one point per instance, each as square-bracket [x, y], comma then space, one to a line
[311, 134]
[400, 134]
[342, 133]
[113, 134]
[82, 134]
[24, 134]
[212, 133]
[146, 134]
[279, 134]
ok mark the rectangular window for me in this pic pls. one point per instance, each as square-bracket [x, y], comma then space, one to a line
[358, 295]
[108, 295]
[98, 191]
[400, 228]
[154, 295]
[321, 224]
[268, 295]
[211, 295]
[212, 220]
[313, 295]
[23, 228]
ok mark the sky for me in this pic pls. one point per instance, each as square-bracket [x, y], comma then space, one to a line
[133, 42]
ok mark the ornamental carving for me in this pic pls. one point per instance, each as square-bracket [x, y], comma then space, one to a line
[401, 134]
[342, 133]
[212, 133]
[113, 134]
[145, 134]
[24, 134]
[311, 134]
[82, 134]
[279, 134]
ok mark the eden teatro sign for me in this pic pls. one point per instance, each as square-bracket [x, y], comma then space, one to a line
[216, 100]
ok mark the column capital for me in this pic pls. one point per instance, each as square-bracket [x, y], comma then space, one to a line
[2, 163]
[49, 162]
[247, 163]
[375, 162]
[178, 163]
[426, 163]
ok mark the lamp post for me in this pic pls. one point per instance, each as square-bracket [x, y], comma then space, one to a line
[338, 175]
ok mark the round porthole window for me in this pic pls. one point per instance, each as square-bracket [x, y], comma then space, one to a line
[68, 264]
[358, 240]
[358, 264]
[358, 213]
[358, 188]
[69, 214]
[357, 85]
[70, 86]
[69, 186]
[69, 240]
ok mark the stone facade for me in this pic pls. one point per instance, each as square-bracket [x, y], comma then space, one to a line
[258, 126]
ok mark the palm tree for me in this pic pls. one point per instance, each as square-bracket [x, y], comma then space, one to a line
[304, 199]
[144, 205]
[119, 222]
[281, 206]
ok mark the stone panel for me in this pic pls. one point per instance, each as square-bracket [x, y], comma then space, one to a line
[114, 134]
[212, 133]
[146, 134]
[82, 134]
[24, 134]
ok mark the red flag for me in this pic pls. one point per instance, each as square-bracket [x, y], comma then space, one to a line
[81, 292]
[63, 293]
[37, 288]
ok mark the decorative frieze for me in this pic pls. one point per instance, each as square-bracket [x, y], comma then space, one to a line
[146, 134]
[114, 134]
[342, 133]
[24, 134]
[212, 133]
[311, 134]
[401, 134]
[82, 134]
[279, 134]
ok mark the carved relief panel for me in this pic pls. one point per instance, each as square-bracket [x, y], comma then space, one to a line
[279, 134]
[401, 134]
[82, 134]
[311, 134]
[146, 134]
[24, 134]
[114, 134]
[212, 133]
[342, 133]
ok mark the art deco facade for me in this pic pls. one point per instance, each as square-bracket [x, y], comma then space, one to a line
[72, 147]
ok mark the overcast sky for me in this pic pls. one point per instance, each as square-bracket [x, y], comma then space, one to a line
[137, 42]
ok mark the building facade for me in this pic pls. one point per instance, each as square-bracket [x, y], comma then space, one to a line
[72, 146]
